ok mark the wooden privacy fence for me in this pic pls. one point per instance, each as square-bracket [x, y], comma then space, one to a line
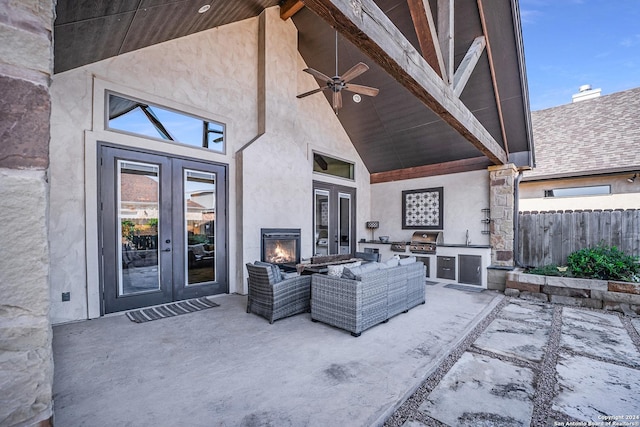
[549, 237]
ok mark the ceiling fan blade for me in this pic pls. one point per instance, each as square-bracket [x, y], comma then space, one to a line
[311, 92]
[362, 90]
[355, 71]
[337, 100]
[318, 75]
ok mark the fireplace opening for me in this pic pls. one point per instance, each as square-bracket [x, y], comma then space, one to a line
[281, 246]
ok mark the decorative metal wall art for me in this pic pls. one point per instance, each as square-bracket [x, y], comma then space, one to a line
[423, 209]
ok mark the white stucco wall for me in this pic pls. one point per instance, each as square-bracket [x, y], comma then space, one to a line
[295, 128]
[213, 74]
[465, 195]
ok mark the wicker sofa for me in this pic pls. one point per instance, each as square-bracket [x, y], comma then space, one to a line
[372, 298]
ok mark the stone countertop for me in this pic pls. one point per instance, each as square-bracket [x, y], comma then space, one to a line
[444, 245]
[462, 245]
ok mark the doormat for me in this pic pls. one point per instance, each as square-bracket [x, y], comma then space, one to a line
[169, 310]
[430, 283]
[465, 288]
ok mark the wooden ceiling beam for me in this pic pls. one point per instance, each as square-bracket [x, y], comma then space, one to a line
[370, 30]
[468, 64]
[288, 8]
[427, 36]
[445, 35]
[456, 166]
[494, 80]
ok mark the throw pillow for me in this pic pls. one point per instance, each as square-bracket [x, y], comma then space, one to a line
[336, 270]
[356, 273]
[275, 270]
[407, 261]
[391, 262]
[382, 266]
[289, 275]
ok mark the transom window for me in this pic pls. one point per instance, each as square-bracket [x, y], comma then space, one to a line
[144, 119]
[332, 166]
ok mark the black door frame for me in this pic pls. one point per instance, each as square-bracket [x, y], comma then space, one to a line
[171, 263]
[334, 191]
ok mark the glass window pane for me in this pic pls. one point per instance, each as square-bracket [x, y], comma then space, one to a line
[345, 223]
[331, 166]
[578, 191]
[321, 221]
[157, 122]
[200, 216]
[137, 198]
[215, 136]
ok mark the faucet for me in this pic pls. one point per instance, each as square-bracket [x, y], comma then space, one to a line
[467, 240]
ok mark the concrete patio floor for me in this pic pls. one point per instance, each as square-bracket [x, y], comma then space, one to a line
[222, 366]
[463, 358]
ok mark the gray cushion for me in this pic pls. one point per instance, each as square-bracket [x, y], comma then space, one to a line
[336, 270]
[407, 261]
[392, 262]
[275, 270]
[355, 273]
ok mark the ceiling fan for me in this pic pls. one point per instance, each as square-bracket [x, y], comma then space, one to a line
[337, 83]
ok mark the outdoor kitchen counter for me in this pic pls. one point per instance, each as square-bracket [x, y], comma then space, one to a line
[462, 245]
[464, 264]
[444, 245]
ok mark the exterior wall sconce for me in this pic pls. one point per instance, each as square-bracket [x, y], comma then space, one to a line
[372, 225]
[633, 178]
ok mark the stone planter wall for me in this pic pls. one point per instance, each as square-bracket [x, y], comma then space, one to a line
[603, 294]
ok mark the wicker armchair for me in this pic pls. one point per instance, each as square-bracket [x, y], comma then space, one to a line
[274, 299]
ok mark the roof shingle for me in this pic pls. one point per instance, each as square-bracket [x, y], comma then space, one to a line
[589, 137]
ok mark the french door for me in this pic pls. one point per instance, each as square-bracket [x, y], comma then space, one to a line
[333, 219]
[163, 228]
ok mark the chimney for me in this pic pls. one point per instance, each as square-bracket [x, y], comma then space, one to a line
[585, 92]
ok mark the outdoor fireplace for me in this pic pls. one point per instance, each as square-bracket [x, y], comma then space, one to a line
[281, 245]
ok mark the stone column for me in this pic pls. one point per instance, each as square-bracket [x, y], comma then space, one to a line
[26, 362]
[501, 202]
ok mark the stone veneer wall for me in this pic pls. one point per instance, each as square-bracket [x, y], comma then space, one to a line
[602, 294]
[26, 364]
[501, 203]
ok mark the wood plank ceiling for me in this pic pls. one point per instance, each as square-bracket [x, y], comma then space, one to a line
[424, 128]
[453, 93]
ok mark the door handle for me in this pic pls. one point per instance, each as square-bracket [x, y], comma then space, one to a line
[166, 250]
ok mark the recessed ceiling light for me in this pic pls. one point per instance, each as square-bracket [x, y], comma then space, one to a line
[357, 98]
[204, 8]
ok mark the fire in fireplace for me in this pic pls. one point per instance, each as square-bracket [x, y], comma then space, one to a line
[281, 245]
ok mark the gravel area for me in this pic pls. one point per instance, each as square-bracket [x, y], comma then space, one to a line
[545, 380]
[633, 333]
[547, 376]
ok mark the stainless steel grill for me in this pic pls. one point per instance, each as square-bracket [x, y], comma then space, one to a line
[425, 242]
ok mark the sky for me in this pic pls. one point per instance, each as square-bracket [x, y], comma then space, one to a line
[570, 43]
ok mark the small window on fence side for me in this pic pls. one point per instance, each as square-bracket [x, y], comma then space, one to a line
[595, 190]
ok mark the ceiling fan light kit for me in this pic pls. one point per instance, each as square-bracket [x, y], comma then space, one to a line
[339, 83]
